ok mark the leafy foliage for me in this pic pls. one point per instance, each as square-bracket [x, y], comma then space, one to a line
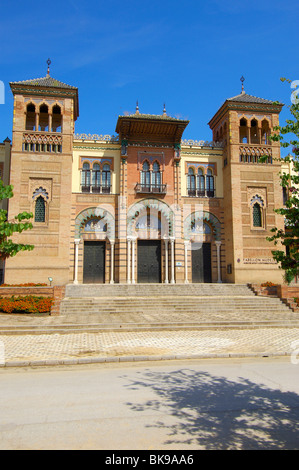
[289, 236]
[7, 228]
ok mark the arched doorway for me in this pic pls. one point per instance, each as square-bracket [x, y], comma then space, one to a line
[203, 237]
[201, 256]
[149, 222]
[95, 235]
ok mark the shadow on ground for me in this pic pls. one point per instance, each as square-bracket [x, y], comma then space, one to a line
[212, 412]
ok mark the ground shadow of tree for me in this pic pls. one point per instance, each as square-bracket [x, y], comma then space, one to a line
[212, 412]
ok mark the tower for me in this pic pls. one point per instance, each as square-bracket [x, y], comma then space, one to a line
[45, 110]
[251, 188]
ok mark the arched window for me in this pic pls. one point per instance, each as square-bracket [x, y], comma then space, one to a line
[257, 215]
[146, 175]
[210, 184]
[106, 179]
[200, 183]
[85, 178]
[96, 178]
[40, 210]
[156, 177]
[243, 138]
[207, 229]
[43, 118]
[254, 132]
[56, 119]
[191, 182]
[30, 117]
[265, 132]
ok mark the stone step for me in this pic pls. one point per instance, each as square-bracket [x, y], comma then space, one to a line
[162, 304]
[113, 290]
[102, 327]
[184, 306]
[166, 301]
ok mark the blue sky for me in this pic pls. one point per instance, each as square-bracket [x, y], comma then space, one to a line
[187, 54]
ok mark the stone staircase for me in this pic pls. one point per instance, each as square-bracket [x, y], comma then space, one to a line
[166, 306]
[151, 307]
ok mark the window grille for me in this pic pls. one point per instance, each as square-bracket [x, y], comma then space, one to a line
[40, 210]
[257, 215]
[106, 179]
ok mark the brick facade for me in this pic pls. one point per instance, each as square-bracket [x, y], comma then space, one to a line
[147, 183]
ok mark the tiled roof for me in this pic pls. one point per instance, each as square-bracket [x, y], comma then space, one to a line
[244, 98]
[46, 82]
[151, 116]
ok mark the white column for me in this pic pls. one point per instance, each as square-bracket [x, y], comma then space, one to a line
[172, 281]
[128, 261]
[218, 244]
[77, 241]
[112, 242]
[186, 242]
[166, 241]
[133, 260]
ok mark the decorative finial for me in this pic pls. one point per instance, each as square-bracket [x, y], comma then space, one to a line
[137, 108]
[164, 110]
[49, 63]
[242, 79]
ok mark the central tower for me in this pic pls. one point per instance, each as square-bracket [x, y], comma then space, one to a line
[151, 185]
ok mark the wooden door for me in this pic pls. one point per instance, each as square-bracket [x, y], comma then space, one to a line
[94, 262]
[149, 261]
[201, 264]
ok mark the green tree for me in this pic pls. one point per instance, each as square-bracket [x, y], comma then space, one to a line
[289, 236]
[7, 228]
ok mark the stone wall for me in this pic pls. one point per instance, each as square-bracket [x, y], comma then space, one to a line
[286, 293]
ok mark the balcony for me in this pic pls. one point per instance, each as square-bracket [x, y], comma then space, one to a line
[150, 188]
[96, 189]
[42, 142]
[252, 153]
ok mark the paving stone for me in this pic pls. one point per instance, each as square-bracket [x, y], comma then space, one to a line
[131, 346]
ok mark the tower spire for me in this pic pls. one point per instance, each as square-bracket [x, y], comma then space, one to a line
[242, 79]
[137, 108]
[49, 63]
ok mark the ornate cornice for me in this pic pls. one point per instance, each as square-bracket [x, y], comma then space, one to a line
[88, 147]
[97, 137]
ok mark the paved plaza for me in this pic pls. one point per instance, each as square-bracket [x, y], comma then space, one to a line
[29, 340]
[83, 347]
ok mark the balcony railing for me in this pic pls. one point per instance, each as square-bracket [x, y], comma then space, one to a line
[150, 188]
[96, 189]
[201, 193]
[250, 153]
[42, 142]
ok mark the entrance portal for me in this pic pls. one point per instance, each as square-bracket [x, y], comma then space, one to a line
[149, 261]
[201, 264]
[94, 262]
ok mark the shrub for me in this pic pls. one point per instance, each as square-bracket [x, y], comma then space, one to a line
[26, 304]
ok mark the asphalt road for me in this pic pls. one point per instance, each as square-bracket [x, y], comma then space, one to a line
[180, 405]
